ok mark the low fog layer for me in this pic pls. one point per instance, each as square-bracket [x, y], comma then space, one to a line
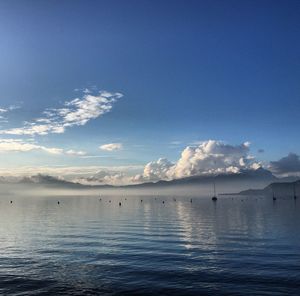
[183, 188]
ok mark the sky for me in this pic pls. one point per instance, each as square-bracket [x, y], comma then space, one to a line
[153, 89]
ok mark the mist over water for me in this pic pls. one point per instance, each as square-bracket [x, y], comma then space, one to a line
[88, 246]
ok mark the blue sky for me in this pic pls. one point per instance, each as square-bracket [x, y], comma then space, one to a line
[188, 71]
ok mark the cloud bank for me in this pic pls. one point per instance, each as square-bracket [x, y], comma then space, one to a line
[209, 157]
[287, 165]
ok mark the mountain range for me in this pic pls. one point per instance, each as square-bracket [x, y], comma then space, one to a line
[259, 178]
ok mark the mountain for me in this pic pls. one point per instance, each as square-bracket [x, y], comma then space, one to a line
[48, 181]
[280, 189]
[225, 183]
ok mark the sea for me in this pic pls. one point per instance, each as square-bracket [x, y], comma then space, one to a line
[149, 245]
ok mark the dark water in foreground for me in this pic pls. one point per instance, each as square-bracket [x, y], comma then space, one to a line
[86, 247]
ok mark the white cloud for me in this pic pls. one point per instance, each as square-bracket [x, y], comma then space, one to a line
[15, 145]
[18, 145]
[75, 153]
[111, 147]
[87, 91]
[75, 112]
[209, 157]
[110, 177]
[155, 171]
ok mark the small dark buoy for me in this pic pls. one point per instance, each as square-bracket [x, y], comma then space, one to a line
[214, 198]
[58, 202]
[110, 201]
[163, 201]
[100, 199]
[120, 204]
[11, 201]
[191, 200]
[141, 200]
[274, 198]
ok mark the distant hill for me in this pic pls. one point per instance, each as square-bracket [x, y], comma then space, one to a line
[225, 182]
[50, 181]
[259, 178]
[285, 189]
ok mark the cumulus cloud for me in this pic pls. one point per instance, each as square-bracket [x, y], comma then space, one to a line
[18, 145]
[289, 164]
[155, 171]
[209, 157]
[75, 112]
[111, 147]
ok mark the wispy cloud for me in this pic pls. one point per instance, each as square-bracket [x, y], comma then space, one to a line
[4, 111]
[75, 152]
[75, 112]
[18, 145]
[175, 143]
[111, 147]
[9, 108]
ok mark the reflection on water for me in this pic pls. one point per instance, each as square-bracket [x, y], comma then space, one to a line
[83, 246]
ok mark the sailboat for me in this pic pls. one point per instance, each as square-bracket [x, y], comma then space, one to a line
[294, 187]
[214, 198]
[274, 198]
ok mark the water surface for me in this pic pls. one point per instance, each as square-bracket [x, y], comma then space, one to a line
[84, 246]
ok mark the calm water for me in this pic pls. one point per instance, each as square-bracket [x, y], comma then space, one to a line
[86, 247]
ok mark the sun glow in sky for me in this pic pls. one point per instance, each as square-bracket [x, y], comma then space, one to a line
[133, 91]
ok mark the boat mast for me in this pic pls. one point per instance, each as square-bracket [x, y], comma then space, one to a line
[214, 187]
